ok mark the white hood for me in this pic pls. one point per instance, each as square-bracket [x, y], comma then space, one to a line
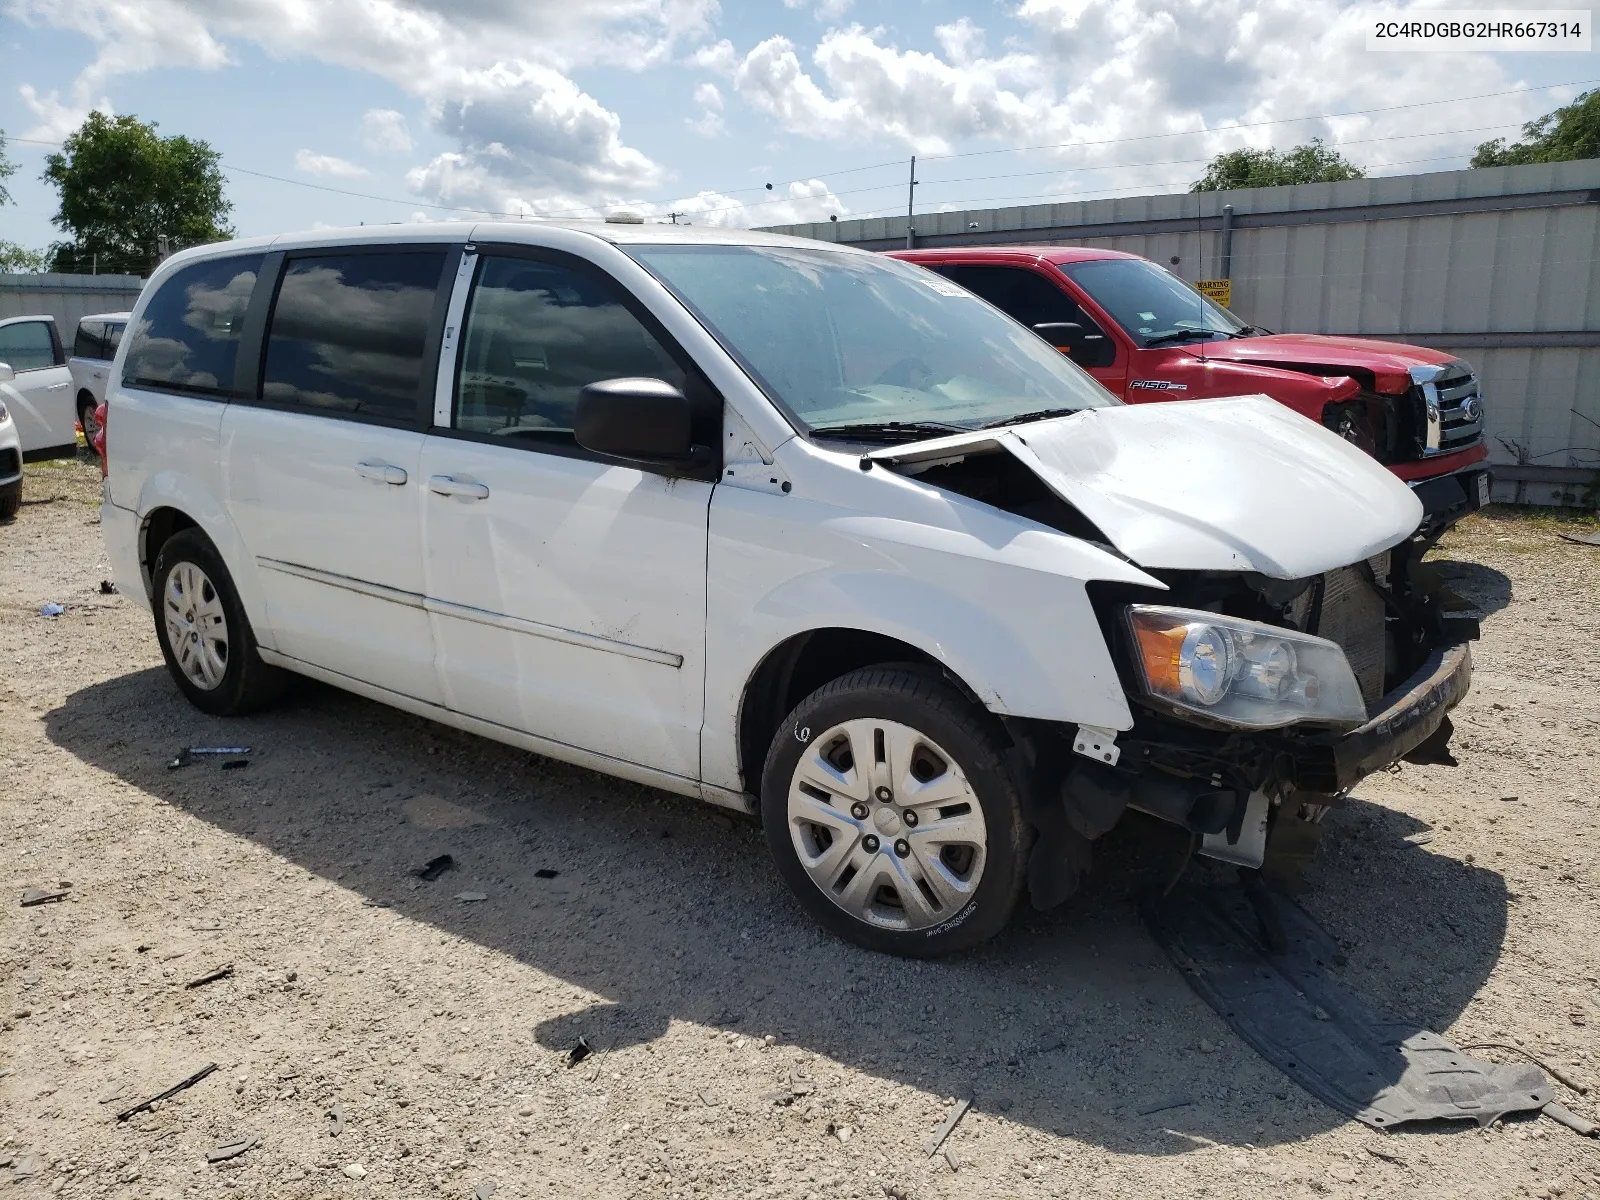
[1243, 484]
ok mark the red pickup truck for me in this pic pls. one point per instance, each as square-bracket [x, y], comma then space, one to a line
[1147, 335]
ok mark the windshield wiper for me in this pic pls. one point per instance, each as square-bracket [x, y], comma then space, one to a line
[1040, 415]
[1177, 334]
[893, 431]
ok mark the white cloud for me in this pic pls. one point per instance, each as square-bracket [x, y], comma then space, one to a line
[326, 165]
[384, 131]
[720, 57]
[709, 122]
[804, 200]
[54, 120]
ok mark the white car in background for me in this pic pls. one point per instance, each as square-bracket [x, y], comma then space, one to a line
[92, 351]
[10, 464]
[37, 388]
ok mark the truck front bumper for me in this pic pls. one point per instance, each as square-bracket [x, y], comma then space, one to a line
[1448, 498]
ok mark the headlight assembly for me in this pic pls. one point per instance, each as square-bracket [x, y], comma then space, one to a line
[1242, 672]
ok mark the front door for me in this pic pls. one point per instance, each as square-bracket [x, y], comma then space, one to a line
[40, 397]
[323, 472]
[567, 592]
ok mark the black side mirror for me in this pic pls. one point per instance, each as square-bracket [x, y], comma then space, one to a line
[1063, 335]
[645, 419]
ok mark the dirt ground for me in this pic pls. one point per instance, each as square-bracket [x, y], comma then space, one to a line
[737, 1051]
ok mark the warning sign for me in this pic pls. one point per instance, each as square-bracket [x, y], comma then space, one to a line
[1220, 290]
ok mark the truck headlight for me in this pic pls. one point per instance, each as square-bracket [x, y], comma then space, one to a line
[1242, 673]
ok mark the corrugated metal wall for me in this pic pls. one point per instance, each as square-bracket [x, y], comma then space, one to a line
[66, 297]
[1495, 265]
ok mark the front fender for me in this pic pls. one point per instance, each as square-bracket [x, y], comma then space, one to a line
[1001, 603]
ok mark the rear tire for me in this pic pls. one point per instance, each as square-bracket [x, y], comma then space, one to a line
[205, 637]
[86, 411]
[923, 853]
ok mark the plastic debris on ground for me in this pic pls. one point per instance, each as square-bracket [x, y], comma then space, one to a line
[231, 1148]
[52, 610]
[945, 1130]
[579, 1052]
[222, 972]
[181, 1085]
[34, 896]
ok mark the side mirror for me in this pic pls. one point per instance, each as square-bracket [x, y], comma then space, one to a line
[644, 419]
[6, 373]
[1063, 335]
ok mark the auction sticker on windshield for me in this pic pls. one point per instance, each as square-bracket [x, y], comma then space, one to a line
[1504, 29]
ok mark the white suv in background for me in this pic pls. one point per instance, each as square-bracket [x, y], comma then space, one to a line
[92, 351]
[799, 530]
[37, 387]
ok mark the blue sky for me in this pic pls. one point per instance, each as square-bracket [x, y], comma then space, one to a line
[535, 107]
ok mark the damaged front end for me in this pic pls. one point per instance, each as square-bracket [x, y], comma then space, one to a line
[1405, 637]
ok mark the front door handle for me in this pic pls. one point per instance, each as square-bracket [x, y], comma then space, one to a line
[383, 472]
[445, 485]
[55, 387]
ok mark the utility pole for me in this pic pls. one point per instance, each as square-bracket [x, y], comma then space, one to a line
[675, 216]
[911, 198]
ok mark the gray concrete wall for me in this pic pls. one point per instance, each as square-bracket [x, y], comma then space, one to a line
[66, 297]
[1496, 265]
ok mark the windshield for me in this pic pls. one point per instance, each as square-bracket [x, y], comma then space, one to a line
[866, 346]
[1152, 305]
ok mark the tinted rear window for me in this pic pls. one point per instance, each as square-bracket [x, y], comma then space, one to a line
[348, 333]
[90, 342]
[187, 338]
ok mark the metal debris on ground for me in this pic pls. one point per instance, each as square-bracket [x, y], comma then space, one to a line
[52, 610]
[434, 867]
[231, 1148]
[236, 764]
[471, 897]
[188, 754]
[1565, 1116]
[181, 1085]
[1375, 1068]
[545, 873]
[1582, 539]
[334, 1119]
[1163, 1105]
[35, 896]
[222, 972]
[107, 588]
[579, 1052]
[945, 1130]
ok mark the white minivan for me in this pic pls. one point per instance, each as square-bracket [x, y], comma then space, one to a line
[799, 530]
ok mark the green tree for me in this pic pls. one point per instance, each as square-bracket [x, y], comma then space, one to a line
[1572, 131]
[8, 168]
[1310, 163]
[22, 261]
[123, 187]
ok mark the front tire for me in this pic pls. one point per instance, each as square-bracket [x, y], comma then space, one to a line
[891, 815]
[209, 647]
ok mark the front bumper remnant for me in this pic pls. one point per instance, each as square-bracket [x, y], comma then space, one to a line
[1412, 714]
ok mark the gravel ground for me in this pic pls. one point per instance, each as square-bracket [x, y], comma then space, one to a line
[737, 1051]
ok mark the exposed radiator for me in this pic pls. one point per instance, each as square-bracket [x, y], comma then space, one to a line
[1352, 615]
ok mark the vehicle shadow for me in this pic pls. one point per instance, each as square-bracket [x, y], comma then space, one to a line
[1486, 587]
[1072, 1022]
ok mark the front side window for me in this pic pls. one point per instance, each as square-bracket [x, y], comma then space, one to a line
[1029, 297]
[113, 337]
[187, 337]
[349, 331]
[537, 333]
[855, 344]
[1154, 307]
[27, 346]
[90, 342]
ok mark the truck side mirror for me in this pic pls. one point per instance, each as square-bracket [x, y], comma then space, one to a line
[1063, 335]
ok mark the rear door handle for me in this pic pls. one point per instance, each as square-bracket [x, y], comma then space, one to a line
[383, 472]
[446, 485]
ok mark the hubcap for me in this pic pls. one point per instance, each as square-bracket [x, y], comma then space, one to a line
[887, 825]
[197, 627]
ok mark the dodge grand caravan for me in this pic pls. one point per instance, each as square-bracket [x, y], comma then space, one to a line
[802, 531]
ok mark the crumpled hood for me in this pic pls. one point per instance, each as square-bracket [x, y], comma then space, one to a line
[1241, 484]
[1388, 362]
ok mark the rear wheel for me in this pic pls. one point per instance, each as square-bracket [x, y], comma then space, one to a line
[86, 418]
[205, 638]
[890, 813]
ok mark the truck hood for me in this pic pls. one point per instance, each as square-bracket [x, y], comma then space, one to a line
[1242, 484]
[1387, 362]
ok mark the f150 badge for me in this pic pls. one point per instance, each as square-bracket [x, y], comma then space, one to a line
[1158, 385]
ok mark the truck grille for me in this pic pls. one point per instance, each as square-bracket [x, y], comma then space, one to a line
[1352, 614]
[1452, 410]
